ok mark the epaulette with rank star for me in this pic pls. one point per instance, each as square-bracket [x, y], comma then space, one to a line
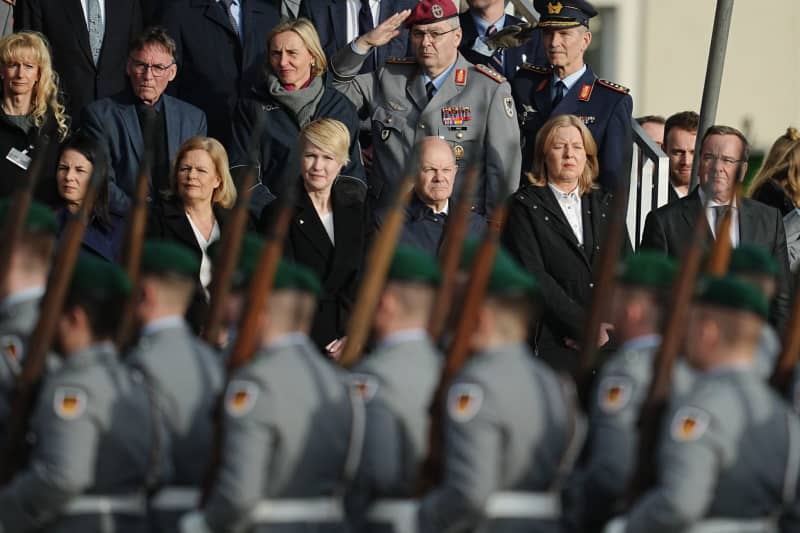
[411, 60]
[613, 86]
[535, 68]
[486, 71]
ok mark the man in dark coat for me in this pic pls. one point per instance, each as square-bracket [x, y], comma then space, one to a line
[217, 62]
[118, 122]
[571, 87]
[723, 165]
[88, 69]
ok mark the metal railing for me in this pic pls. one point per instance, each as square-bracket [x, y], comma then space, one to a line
[649, 185]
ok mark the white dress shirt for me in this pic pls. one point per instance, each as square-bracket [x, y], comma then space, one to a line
[711, 216]
[205, 262]
[353, 7]
[570, 203]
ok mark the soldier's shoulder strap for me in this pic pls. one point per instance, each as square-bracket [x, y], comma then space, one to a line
[488, 72]
[536, 69]
[410, 60]
[613, 86]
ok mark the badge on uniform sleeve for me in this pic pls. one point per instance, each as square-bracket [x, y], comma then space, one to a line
[385, 133]
[508, 105]
[461, 76]
[365, 385]
[11, 346]
[240, 397]
[614, 393]
[464, 401]
[689, 424]
[69, 403]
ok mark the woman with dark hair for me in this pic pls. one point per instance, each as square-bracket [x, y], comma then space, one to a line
[76, 163]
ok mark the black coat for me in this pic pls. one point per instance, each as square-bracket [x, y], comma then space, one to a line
[538, 235]
[11, 136]
[279, 155]
[64, 25]
[772, 194]
[215, 68]
[338, 267]
[668, 229]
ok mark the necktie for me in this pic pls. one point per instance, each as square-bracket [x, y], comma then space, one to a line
[560, 90]
[497, 58]
[719, 216]
[430, 89]
[94, 23]
[226, 5]
[365, 22]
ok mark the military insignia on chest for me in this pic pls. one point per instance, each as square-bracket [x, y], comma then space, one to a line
[270, 107]
[586, 92]
[689, 424]
[385, 132]
[588, 120]
[458, 152]
[461, 76]
[365, 385]
[69, 403]
[456, 117]
[464, 401]
[240, 397]
[614, 393]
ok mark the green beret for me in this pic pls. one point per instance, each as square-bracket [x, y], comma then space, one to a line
[753, 260]
[507, 277]
[169, 257]
[99, 277]
[648, 269]
[293, 276]
[414, 265]
[732, 293]
[39, 218]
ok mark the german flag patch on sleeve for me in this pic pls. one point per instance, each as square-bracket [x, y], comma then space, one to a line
[464, 400]
[69, 403]
[240, 398]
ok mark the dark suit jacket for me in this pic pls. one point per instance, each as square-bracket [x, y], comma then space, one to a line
[339, 267]
[330, 20]
[114, 121]
[538, 235]
[64, 25]
[513, 58]
[215, 68]
[167, 220]
[669, 228]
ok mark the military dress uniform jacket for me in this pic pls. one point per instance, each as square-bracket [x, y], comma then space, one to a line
[508, 427]
[540, 238]
[473, 111]
[92, 437]
[288, 418]
[667, 228]
[729, 451]
[603, 106]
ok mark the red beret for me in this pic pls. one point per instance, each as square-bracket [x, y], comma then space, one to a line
[430, 11]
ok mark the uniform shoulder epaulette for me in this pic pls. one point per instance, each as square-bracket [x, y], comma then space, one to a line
[613, 86]
[486, 71]
[535, 68]
[411, 60]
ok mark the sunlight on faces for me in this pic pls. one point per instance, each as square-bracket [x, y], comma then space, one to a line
[290, 59]
[318, 167]
[435, 55]
[565, 158]
[679, 147]
[565, 48]
[21, 74]
[197, 177]
[73, 174]
[146, 84]
[719, 174]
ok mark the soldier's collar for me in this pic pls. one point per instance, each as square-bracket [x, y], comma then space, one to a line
[570, 80]
[167, 322]
[406, 335]
[642, 342]
[25, 295]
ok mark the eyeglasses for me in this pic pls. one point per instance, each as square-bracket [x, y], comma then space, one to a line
[434, 35]
[726, 161]
[157, 70]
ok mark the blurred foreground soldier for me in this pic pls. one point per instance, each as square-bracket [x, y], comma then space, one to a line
[91, 429]
[427, 212]
[437, 92]
[510, 431]
[397, 381]
[754, 265]
[680, 135]
[729, 456]
[638, 308]
[21, 293]
[186, 375]
[288, 421]
[570, 87]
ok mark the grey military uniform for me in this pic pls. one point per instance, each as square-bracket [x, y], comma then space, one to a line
[730, 451]
[92, 432]
[769, 345]
[614, 410]
[287, 422]
[397, 382]
[508, 428]
[395, 99]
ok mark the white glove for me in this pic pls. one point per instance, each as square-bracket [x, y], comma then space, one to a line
[192, 522]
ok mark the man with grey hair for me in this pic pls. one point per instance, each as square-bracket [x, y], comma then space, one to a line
[436, 93]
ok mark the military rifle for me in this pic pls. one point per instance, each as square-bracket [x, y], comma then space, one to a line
[39, 343]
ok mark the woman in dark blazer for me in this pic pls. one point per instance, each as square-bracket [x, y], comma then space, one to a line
[329, 229]
[556, 228]
[294, 93]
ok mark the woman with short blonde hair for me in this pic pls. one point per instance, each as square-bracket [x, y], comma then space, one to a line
[225, 194]
[329, 135]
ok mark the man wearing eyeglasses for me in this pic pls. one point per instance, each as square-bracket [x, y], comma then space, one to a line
[119, 122]
[723, 165]
[435, 93]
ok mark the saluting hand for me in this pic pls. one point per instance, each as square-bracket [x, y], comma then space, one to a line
[384, 32]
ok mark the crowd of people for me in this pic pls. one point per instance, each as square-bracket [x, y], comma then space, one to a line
[348, 112]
